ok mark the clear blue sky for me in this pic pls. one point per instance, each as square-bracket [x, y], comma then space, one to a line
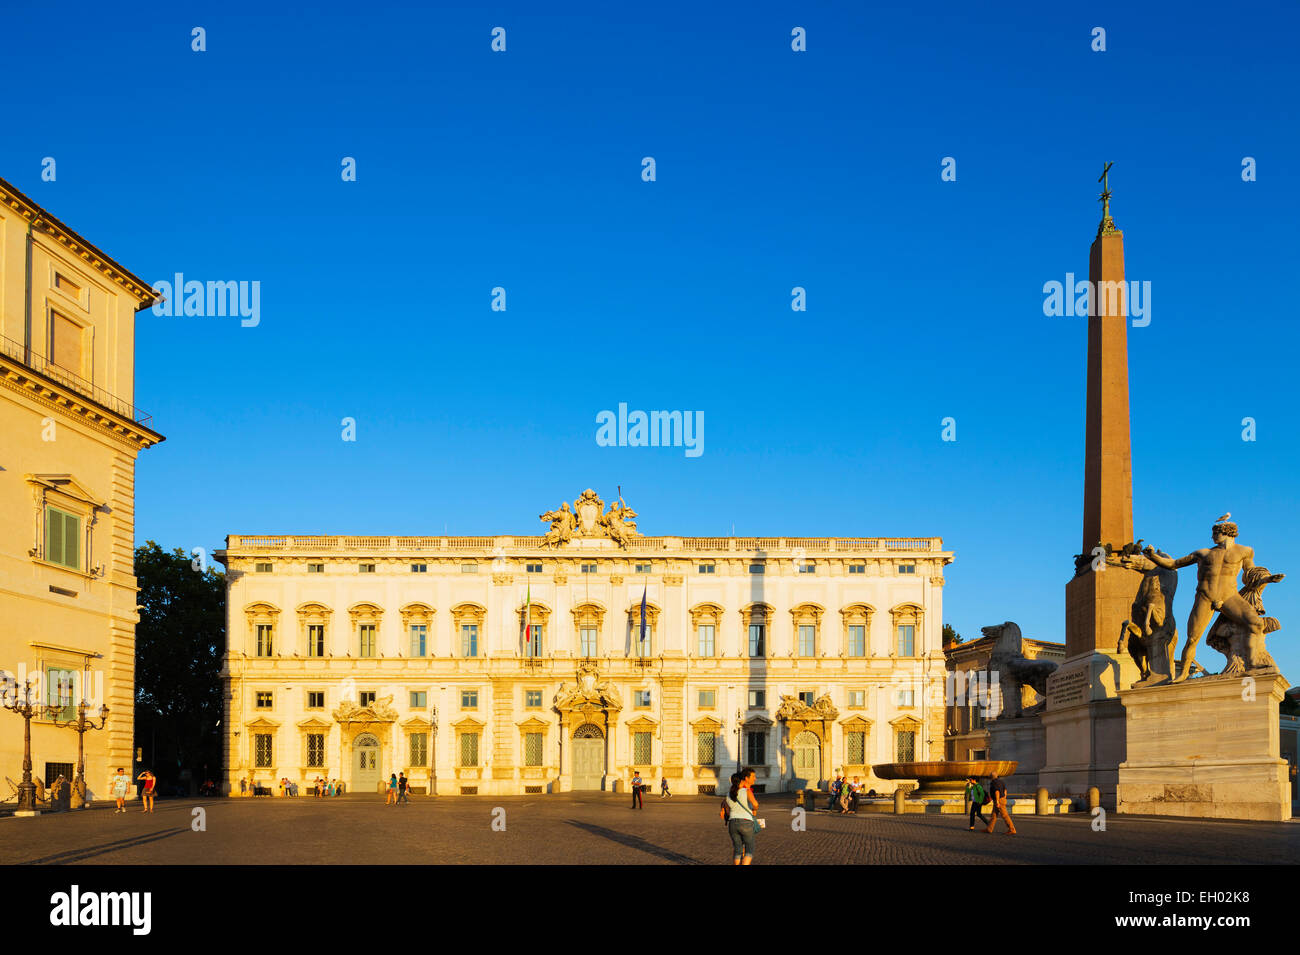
[775, 169]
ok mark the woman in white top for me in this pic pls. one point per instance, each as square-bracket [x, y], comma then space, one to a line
[739, 809]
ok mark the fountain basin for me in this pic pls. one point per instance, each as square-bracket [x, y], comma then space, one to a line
[943, 778]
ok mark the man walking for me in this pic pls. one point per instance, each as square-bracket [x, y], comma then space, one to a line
[636, 789]
[998, 790]
[978, 797]
[402, 785]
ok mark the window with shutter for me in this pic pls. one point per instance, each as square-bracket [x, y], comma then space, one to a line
[62, 538]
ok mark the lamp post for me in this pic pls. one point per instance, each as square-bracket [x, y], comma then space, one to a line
[22, 705]
[740, 716]
[81, 725]
[433, 751]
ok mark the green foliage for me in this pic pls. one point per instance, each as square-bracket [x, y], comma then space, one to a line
[950, 636]
[179, 643]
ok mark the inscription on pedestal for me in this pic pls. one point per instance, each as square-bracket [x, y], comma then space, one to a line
[1069, 687]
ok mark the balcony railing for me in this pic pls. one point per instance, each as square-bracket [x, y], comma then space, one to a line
[768, 546]
[42, 365]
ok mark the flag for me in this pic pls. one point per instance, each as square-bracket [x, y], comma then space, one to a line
[643, 593]
[528, 606]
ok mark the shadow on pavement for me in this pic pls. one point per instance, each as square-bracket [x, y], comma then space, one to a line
[89, 852]
[635, 842]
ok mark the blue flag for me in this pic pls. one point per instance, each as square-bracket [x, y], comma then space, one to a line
[641, 651]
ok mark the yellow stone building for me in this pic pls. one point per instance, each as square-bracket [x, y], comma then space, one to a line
[71, 434]
[353, 658]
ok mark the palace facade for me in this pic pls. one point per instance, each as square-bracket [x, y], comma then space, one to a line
[67, 492]
[352, 658]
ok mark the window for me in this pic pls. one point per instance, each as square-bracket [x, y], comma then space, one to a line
[807, 567]
[756, 634]
[857, 640]
[756, 748]
[366, 631]
[469, 749]
[315, 699]
[642, 698]
[641, 748]
[905, 698]
[643, 568]
[315, 568]
[262, 750]
[532, 749]
[533, 699]
[807, 697]
[587, 641]
[419, 699]
[855, 748]
[316, 750]
[66, 341]
[857, 568]
[976, 754]
[366, 697]
[469, 568]
[469, 699]
[419, 746]
[265, 700]
[533, 568]
[756, 568]
[757, 699]
[706, 747]
[705, 632]
[906, 640]
[807, 640]
[533, 645]
[62, 685]
[707, 567]
[976, 716]
[365, 568]
[907, 568]
[905, 745]
[264, 639]
[708, 699]
[469, 639]
[62, 538]
[315, 640]
[419, 639]
[419, 568]
[588, 568]
[857, 698]
[643, 643]
[263, 568]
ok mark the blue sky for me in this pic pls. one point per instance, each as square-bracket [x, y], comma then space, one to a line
[775, 169]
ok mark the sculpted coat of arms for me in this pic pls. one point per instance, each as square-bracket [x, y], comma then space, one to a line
[588, 518]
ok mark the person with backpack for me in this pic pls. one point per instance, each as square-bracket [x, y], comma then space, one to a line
[978, 799]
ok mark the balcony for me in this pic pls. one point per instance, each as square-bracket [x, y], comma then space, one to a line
[43, 366]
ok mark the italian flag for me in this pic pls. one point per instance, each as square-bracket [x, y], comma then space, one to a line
[528, 606]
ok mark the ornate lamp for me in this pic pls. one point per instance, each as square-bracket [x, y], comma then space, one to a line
[21, 703]
[81, 724]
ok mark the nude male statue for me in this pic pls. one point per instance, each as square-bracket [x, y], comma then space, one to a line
[1216, 588]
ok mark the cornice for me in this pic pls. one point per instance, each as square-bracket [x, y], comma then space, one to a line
[50, 394]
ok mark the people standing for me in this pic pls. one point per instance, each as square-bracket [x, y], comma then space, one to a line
[147, 793]
[391, 798]
[121, 783]
[663, 787]
[636, 789]
[243, 786]
[978, 797]
[739, 810]
[998, 790]
[403, 784]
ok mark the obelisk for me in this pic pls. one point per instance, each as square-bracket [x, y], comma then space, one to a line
[1084, 722]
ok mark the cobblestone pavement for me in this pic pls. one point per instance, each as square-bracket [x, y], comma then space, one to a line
[598, 828]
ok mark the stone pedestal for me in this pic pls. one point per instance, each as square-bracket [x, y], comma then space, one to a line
[1205, 748]
[1021, 739]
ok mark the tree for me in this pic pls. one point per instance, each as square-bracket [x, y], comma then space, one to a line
[179, 643]
[950, 636]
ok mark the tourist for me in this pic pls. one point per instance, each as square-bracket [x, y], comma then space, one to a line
[663, 787]
[121, 783]
[739, 810]
[329, 788]
[855, 795]
[998, 790]
[402, 785]
[636, 789]
[391, 798]
[243, 786]
[846, 792]
[147, 793]
[978, 797]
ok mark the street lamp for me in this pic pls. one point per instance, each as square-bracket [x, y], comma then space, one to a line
[81, 725]
[433, 751]
[22, 705]
[740, 715]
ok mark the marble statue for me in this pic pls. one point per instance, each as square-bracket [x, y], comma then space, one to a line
[1150, 631]
[1216, 589]
[1237, 643]
[1015, 671]
[618, 524]
[562, 524]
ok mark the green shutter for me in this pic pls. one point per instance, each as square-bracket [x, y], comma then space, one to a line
[71, 541]
[53, 535]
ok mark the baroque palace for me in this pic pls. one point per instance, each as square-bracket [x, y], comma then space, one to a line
[520, 664]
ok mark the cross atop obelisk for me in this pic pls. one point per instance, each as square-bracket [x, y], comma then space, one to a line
[1107, 226]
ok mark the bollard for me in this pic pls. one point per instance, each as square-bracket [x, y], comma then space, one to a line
[1094, 798]
[1040, 801]
[900, 799]
[799, 798]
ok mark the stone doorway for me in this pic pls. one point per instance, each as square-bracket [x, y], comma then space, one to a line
[365, 764]
[588, 757]
[807, 750]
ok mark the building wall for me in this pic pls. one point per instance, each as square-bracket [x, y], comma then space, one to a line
[70, 440]
[290, 597]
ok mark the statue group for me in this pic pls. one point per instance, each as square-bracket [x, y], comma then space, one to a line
[588, 518]
[1238, 632]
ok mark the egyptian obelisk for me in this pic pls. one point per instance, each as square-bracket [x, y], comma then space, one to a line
[1084, 722]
